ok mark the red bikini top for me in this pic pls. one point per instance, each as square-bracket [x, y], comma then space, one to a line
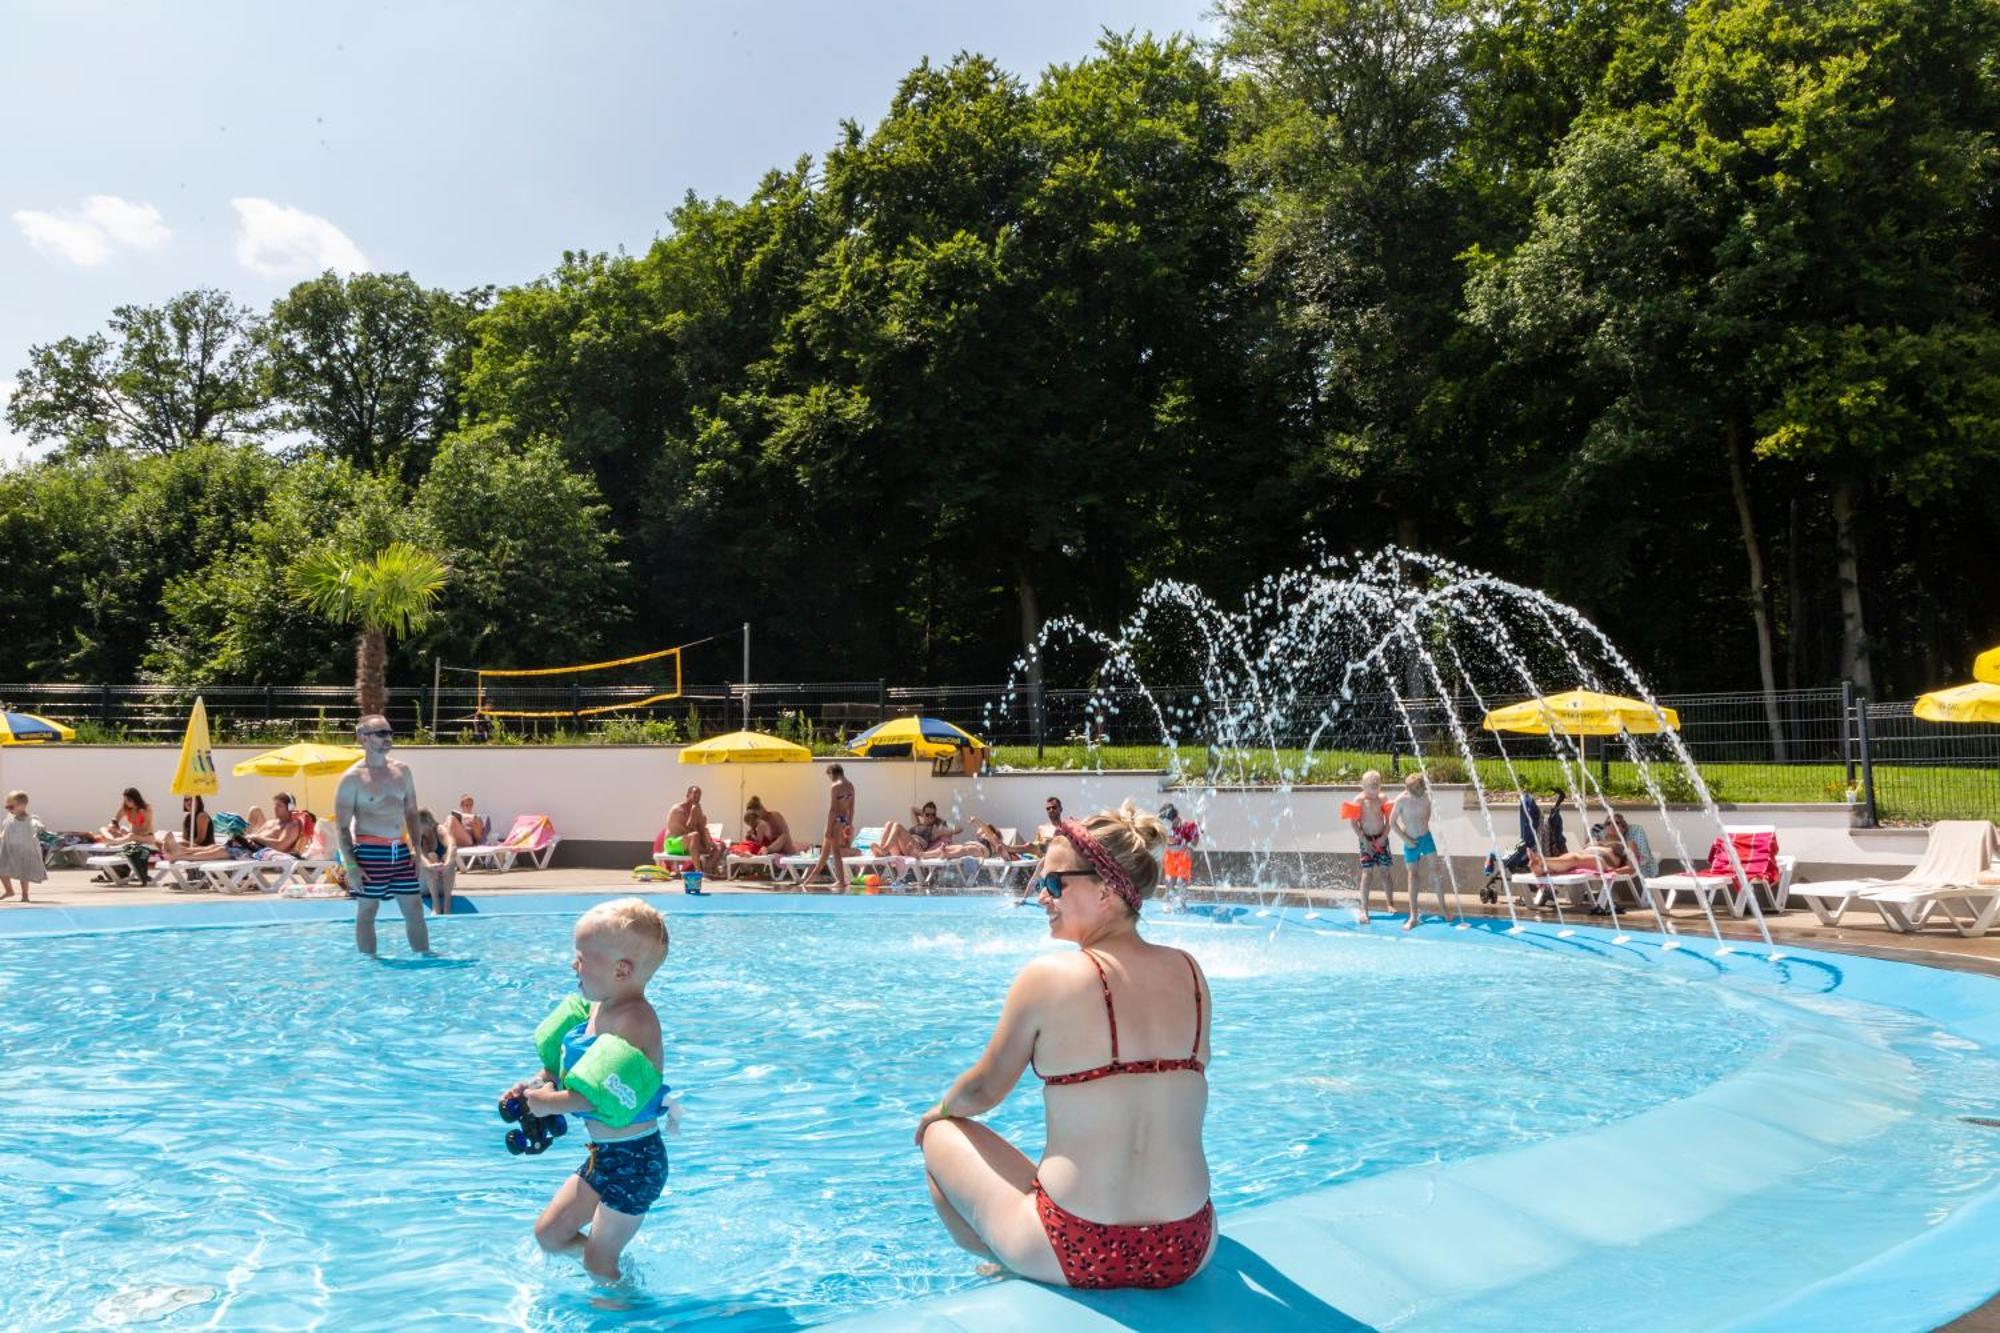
[1118, 1066]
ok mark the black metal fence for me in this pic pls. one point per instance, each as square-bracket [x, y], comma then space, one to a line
[1825, 745]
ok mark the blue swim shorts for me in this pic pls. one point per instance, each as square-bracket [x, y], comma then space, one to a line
[1414, 852]
[628, 1174]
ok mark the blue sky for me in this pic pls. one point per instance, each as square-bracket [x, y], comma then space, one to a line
[154, 146]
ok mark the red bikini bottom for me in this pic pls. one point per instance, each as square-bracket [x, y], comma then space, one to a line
[1098, 1255]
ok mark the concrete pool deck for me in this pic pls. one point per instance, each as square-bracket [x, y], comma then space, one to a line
[1860, 932]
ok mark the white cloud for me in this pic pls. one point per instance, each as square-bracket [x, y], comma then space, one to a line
[91, 234]
[279, 241]
[127, 223]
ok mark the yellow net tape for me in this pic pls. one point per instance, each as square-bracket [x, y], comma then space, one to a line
[592, 666]
[596, 709]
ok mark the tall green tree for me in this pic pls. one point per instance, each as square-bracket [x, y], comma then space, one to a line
[159, 379]
[534, 580]
[1719, 270]
[364, 366]
[1353, 114]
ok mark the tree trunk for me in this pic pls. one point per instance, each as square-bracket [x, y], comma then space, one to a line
[1031, 632]
[1760, 593]
[1031, 623]
[1854, 658]
[371, 661]
[1795, 591]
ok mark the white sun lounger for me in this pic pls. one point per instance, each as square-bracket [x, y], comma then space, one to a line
[502, 855]
[1702, 888]
[675, 862]
[115, 869]
[1583, 888]
[1947, 878]
[735, 861]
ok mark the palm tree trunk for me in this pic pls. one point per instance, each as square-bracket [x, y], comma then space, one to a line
[371, 662]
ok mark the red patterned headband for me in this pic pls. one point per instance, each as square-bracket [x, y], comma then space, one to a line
[1091, 850]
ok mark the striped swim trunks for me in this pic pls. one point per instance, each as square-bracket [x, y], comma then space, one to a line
[386, 868]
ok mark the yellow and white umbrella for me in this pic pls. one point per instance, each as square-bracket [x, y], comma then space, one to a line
[1977, 702]
[1582, 713]
[317, 768]
[746, 747]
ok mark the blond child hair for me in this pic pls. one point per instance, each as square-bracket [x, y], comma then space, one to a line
[637, 921]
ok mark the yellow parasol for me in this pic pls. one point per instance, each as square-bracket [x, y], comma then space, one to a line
[1582, 713]
[746, 747]
[305, 760]
[32, 729]
[913, 738]
[1977, 702]
[1986, 666]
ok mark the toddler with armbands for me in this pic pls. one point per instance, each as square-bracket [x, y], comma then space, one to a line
[601, 1054]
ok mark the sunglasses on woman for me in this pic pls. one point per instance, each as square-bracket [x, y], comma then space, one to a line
[1051, 881]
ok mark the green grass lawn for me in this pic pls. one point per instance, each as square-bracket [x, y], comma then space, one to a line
[1900, 793]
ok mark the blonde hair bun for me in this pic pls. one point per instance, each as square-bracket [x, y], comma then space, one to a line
[1133, 835]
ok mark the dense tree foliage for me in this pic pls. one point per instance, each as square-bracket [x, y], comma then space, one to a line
[1684, 312]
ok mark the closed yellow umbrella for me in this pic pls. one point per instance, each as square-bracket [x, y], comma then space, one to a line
[1582, 713]
[1977, 702]
[1986, 666]
[746, 747]
[306, 760]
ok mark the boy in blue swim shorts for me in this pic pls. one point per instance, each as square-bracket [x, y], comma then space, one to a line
[597, 1211]
[1411, 818]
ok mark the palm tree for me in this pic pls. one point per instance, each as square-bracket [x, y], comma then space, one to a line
[391, 593]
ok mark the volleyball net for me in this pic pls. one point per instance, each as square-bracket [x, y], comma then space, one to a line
[586, 690]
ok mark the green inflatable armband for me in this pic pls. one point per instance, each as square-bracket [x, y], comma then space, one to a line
[574, 1009]
[675, 846]
[615, 1077]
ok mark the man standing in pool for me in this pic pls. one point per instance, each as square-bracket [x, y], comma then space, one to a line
[375, 821]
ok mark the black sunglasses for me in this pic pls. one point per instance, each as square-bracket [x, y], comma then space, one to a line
[1051, 881]
[376, 731]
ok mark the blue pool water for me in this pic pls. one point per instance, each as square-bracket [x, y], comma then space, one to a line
[294, 1136]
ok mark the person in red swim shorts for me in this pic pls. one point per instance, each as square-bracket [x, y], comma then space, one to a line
[1126, 1024]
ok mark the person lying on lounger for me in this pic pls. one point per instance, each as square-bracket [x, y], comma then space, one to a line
[1600, 858]
[924, 832]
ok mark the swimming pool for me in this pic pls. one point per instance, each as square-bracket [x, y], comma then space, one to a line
[286, 1134]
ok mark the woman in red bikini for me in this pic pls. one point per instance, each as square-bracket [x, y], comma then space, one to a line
[1118, 1033]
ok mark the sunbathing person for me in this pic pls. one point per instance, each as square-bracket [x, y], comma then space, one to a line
[132, 823]
[689, 822]
[280, 835]
[924, 832]
[987, 844]
[196, 839]
[768, 829]
[465, 826]
[1599, 858]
